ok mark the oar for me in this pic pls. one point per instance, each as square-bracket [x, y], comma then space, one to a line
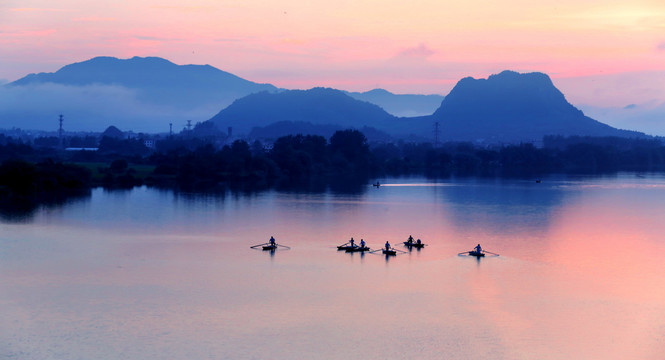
[284, 246]
[255, 246]
[489, 252]
[464, 253]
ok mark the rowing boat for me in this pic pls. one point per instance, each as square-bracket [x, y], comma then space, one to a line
[476, 253]
[389, 252]
[270, 247]
[358, 249]
[347, 247]
[415, 245]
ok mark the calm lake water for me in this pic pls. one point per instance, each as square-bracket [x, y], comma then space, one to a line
[148, 274]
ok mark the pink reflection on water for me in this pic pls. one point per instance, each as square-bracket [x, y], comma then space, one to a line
[596, 289]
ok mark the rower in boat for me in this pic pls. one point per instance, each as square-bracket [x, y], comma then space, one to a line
[419, 243]
[388, 250]
[272, 245]
[409, 242]
[349, 246]
[358, 248]
[477, 251]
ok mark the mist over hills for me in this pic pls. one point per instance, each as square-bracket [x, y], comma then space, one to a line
[143, 94]
[146, 94]
[157, 80]
[402, 105]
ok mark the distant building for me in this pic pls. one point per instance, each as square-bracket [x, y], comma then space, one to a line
[150, 144]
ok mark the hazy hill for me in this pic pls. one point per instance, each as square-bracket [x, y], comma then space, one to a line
[511, 107]
[301, 108]
[141, 94]
[403, 105]
[157, 80]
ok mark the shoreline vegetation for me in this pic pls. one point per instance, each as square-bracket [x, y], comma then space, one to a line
[32, 175]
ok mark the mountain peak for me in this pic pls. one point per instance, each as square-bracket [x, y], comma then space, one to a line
[378, 92]
[138, 72]
[513, 106]
[319, 106]
[506, 92]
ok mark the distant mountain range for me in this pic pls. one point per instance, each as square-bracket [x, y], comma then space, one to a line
[505, 108]
[146, 94]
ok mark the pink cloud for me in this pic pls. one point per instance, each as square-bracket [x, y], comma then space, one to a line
[420, 51]
[661, 46]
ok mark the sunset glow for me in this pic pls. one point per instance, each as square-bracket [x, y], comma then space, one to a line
[422, 46]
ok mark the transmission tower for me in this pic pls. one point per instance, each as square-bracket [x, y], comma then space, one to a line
[60, 131]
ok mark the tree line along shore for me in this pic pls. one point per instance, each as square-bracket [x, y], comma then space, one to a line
[32, 173]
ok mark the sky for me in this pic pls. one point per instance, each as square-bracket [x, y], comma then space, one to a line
[603, 55]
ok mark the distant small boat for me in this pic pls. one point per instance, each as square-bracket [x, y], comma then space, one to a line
[377, 184]
[271, 245]
[477, 253]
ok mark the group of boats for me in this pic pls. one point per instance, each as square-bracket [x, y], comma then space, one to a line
[387, 249]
